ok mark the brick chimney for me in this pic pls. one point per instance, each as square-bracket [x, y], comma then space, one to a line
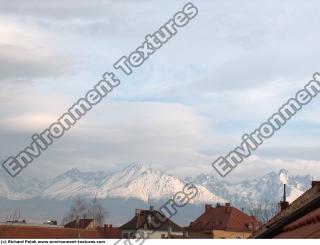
[284, 204]
[138, 212]
[314, 183]
[108, 230]
[228, 208]
[207, 207]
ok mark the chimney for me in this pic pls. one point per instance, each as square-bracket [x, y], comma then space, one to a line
[284, 204]
[138, 211]
[77, 222]
[107, 226]
[314, 183]
[228, 208]
[185, 233]
[107, 230]
[207, 207]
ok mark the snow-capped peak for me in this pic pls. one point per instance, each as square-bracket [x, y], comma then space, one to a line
[135, 167]
[142, 182]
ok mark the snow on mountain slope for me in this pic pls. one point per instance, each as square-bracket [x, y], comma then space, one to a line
[74, 183]
[144, 183]
[268, 188]
[19, 187]
[135, 181]
[120, 178]
[155, 185]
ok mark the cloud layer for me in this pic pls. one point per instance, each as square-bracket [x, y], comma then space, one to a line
[219, 78]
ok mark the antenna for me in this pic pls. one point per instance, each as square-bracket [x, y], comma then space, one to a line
[284, 192]
[149, 201]
[15, 215]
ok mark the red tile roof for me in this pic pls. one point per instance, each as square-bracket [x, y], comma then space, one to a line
[34, 232]
[308, 226]
[112, 232]
[224, 218]
[83, 224]
[292, 221]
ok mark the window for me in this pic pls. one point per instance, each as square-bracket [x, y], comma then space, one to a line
[125, 235]
[238, 237]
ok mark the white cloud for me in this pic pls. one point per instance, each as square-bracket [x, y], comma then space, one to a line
[220, 77]
[28, 52]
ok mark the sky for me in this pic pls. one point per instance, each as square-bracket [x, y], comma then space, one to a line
[220, 77]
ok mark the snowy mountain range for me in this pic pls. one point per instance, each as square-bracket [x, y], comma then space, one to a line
[143, 183]
[135, 181]
[136, 186]
[267, 189]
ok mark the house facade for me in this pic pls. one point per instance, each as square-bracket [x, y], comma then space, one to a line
[150, 224]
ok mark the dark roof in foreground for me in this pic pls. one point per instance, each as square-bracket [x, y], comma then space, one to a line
[308, 226]
[148, 220]
[299, 220]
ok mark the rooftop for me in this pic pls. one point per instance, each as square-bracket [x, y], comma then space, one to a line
[148, 220]
[297, 216]
[224, 218]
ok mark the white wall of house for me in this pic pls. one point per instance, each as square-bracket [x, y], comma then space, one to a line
[152, 234]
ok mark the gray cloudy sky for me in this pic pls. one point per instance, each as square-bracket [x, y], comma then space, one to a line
[224, 74]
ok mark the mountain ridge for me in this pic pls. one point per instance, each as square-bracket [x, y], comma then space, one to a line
[144, 183]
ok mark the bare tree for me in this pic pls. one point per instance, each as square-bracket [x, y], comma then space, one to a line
[78, 210]
[97, 212]
[7, 224]
[91, 209]
[263, 211]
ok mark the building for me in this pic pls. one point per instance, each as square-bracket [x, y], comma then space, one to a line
[112, 232]
[150, 224]
[41, 231]
[19, 230]
[223, 222]
[81, 224]
[300, 219]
